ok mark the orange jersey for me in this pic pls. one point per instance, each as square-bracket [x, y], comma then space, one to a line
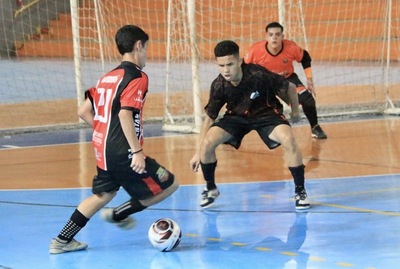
[282, 63]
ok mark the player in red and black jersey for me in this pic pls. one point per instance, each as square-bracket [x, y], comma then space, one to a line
[277, 55]
[114, 109]
[248, 92]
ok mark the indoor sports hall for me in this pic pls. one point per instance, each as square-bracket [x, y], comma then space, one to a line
[54, 50]
[352, 181]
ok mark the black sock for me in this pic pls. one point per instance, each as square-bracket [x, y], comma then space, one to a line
[130, 207]
[298, 177]
[73, 226]
[209, 174]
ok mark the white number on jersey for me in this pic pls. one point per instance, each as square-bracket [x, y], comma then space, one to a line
[102, 107]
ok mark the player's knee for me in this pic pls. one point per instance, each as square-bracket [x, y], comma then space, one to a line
[306, 99]
[106, 196]
[208, 146]
[289, 143]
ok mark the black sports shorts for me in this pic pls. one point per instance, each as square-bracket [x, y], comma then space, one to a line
[141, 186]
[238, 127]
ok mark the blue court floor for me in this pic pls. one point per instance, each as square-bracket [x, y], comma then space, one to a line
[354, 223]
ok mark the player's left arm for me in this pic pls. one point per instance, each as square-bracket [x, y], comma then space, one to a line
[128, 127]
[306, 63]
[131, 101]
[85, 111]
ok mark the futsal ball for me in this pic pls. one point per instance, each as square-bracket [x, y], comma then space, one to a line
[165, 234]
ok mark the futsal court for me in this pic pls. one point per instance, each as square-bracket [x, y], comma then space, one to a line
[353, 182]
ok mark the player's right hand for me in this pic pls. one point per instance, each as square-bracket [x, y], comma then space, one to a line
[138, 163]
[195, 163]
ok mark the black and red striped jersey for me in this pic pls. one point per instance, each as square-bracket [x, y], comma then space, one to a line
[254, 96]
[125, 87]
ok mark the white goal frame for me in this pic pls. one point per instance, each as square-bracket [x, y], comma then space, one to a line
[193, 121]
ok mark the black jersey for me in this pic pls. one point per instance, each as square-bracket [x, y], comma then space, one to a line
[254, 96]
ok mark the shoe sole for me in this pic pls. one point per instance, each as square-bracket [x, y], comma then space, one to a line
[125, 226]
[65, 251]
[317, 137]
[60, 251]
[302, 208]
[208, 205]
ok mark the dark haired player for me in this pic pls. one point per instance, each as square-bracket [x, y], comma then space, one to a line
[114, 110]
[277, 55]
[249, 93]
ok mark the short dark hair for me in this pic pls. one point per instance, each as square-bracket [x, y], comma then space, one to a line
[225, 48]
[127, 36]
[273, 25]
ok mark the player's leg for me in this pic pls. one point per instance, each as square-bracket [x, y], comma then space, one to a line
[228, 130]
[145, 190]
[307, 102]
[208, 163]
[103, 193]
[283, 134]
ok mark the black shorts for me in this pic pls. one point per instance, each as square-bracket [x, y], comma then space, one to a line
[238, 127]
[141, 186]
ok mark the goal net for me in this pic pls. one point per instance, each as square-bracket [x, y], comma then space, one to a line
[54, 50]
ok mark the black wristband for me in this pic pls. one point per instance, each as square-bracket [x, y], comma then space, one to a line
[134, 152]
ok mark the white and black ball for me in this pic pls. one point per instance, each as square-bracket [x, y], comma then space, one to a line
[165, 234]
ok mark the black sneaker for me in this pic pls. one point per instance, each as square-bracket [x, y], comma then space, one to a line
[318, 133]
[302, 202]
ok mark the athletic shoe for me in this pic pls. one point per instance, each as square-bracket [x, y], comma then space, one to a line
[318, 133]
[302, 202]
[209, 197]
[56, 247]
[126, 224]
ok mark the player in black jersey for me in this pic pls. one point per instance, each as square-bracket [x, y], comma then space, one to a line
[114, 109]
[249, 93]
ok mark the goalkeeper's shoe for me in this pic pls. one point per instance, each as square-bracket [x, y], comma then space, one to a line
[318, 133]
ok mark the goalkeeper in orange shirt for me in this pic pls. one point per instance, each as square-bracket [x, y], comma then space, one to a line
[277, 55]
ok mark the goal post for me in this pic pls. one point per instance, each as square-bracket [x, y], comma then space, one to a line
[192, 123]
[354, 68]
[77, 51]
[390, 107]
[54, 50]
[362, 34]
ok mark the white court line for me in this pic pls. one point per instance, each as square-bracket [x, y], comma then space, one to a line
[11, 146]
